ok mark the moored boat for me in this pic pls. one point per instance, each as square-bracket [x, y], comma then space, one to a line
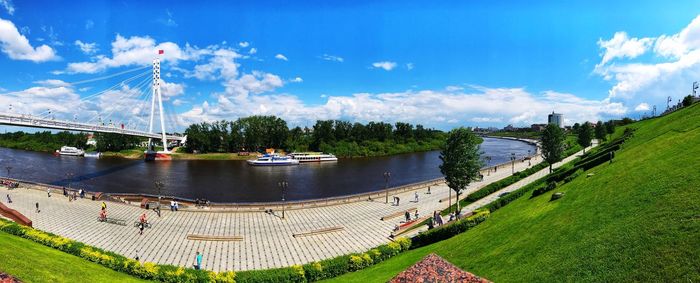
[313, 157]
[273, 160]
[70, 151]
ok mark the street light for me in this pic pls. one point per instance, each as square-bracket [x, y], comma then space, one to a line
[529, 158]
[387, 176]
[9, 168]
[488, 163]
[283, 187]
[159, 187]
[69, 175]
[512, 162]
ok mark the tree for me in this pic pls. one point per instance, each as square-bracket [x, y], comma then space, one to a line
[688, 100]
[600, 131]
[576, 127]
[552, 144]
[461, 159]
[610, 127]
[585, 135]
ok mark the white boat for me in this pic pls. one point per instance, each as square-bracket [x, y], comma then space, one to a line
[71, 151]
[313, 157]
[93, 154]
[273, 160]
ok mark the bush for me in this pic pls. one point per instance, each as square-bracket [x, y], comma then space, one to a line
[148, 270]
[550, 186]
[449, 230]
[286, 274]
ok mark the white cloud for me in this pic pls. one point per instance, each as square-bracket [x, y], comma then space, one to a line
[17, 47]
[133, 51]
[642, 107]
[453, 88]
[52, 83]
[281, 57]
[386, 65]
[332, 58]
[253, 51]
[243, 44]
[89, 24]
[409, 66]
[669, 70]
[169, 22]
[7, 4]
[621, 46]
[87, 48]
[171, 89]
[296, 80]
[179, 102]
[427, 107]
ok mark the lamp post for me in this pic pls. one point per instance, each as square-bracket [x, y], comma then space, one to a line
[159, 187]
[512, 162]
[488, 163]
[283, 187]
[387, 175]
[529, 158]
[9, 168]
[69, 175]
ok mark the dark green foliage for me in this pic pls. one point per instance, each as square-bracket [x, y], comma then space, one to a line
[550, 186]
[447, 231]
[688, 100]
[42, 141]
[460, 159]
[285, 274]
[552, 144]
[115, 142]
[610, 127]
[585, 135]
[600, 131]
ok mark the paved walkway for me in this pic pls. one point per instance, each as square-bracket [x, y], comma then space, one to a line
[267, 239]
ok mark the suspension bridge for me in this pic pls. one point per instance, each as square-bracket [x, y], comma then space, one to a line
[125, 112]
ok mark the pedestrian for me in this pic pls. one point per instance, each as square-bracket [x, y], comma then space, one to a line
[172, 205]
[65, 193]
[157, 210]
[75, 197]
[407, 215]
[37, 208]
[416, 196]
[82, 193]
[104, 206]
[141, 228]
[48, 191]
[416, 214]
[198, 261]
[9, 200]
[428, 189]
[177, 205]
[398, 200]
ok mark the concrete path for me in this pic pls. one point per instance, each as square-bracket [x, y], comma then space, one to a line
[268, 240]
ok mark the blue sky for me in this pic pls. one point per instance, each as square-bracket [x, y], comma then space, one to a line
[471, 63]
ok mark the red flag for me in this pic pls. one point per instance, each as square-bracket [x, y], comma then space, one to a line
[160, 51]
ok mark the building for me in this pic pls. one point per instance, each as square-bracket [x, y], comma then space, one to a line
[538, 127]
[556, 119]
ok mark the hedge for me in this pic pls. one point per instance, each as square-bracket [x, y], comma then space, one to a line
[148, 270]
[448, 231]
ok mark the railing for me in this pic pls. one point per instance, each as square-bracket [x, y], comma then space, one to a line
[35, 122]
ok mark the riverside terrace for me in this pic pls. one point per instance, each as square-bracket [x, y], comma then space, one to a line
[238, 240]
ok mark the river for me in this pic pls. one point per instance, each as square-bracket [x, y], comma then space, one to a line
[235, 181]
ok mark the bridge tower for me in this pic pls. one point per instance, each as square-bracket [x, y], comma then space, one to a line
[150, 153]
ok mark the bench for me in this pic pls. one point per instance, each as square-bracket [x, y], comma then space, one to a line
[397, 214]
[319, 231]
[116, 221]
[195, 237]
[407, 226]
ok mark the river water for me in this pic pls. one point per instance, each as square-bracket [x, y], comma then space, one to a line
[235, 181]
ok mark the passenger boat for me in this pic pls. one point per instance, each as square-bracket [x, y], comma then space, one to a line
[93, 154]
[313, 157]
[273, 160]
[71, 151]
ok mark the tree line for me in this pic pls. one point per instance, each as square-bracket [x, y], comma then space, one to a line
[42, 141]
[256, 133]
[553, 137]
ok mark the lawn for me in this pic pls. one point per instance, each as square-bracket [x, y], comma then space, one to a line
[636, 219]
[33, 262]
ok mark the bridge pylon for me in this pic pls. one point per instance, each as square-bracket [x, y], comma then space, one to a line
[151, 153]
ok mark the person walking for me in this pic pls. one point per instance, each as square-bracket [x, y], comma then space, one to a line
[416, 215]
[428, 189]
[198, 261]
[9, 200]
[37, 207]
[398, 200]
[65, 193]
[141, 225]
[407, 215]
[415, 196]
[48, 191]
[104, 206]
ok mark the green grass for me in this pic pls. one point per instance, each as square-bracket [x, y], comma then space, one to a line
[637, 219]
[33, 262]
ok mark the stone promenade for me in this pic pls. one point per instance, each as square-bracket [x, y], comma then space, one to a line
[267, 240]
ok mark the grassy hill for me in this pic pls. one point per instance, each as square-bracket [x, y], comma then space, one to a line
[637, 219]
[33, 262]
